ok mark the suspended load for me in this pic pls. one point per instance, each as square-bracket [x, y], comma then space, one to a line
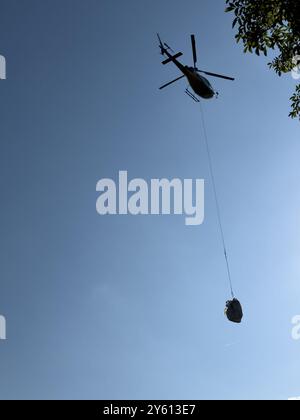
[234, 311]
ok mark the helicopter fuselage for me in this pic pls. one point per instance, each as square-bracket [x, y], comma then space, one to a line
[200, 85]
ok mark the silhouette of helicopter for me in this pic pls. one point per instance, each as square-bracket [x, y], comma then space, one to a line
[200, 85]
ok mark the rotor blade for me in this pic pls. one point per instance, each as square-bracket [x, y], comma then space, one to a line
[193, 39]
[216, 75]
[170, 83]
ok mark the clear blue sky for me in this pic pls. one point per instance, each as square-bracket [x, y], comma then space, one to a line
[132, 307]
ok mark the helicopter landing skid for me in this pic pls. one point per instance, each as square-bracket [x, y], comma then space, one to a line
[192, 96]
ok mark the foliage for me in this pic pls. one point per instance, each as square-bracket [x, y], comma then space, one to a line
[271, 24]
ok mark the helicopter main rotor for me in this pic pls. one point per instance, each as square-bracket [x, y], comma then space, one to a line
[195, 59]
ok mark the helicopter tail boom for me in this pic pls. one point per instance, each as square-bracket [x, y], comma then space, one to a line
[172, 58]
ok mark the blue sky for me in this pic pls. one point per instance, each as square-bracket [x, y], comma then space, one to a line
[132, 307]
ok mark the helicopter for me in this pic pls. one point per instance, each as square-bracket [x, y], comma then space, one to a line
[200, 85]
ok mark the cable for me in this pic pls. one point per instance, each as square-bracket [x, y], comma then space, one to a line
[211, 169]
